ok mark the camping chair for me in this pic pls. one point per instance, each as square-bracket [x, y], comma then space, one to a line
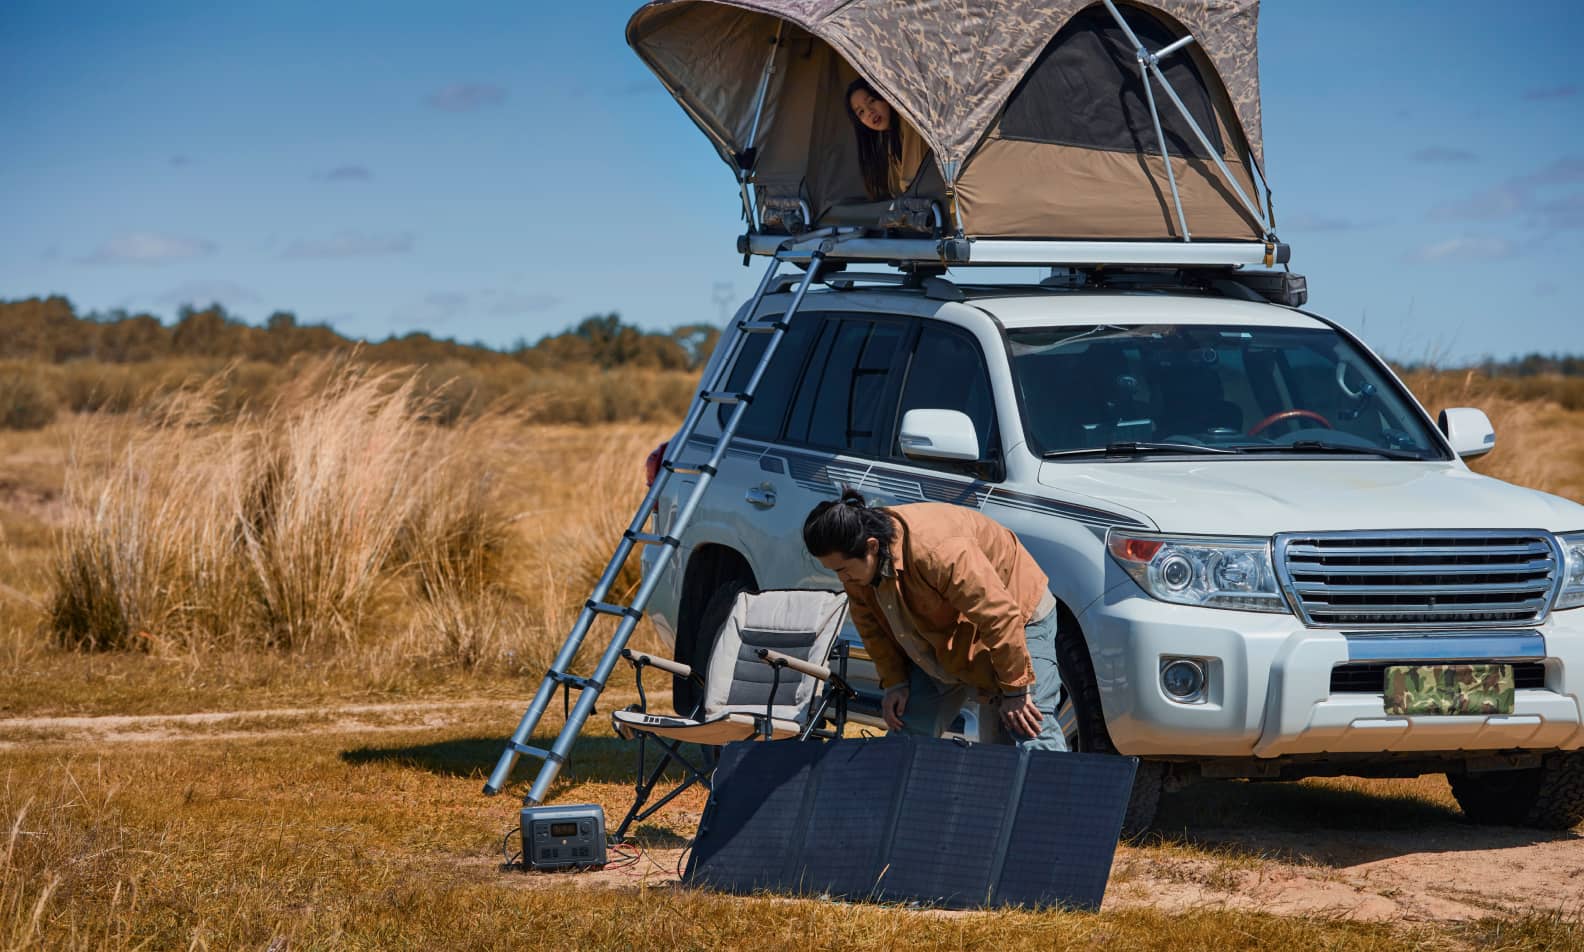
[767, 680]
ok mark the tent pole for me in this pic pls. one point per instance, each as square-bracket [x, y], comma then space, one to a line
[1151, 60]
[1253, 209]
[748, 157]
[1160, 137]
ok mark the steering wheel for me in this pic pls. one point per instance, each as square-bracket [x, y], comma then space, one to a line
[1281, 415]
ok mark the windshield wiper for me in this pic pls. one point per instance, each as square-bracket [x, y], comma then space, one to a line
[1131, 448]
[1340, 449]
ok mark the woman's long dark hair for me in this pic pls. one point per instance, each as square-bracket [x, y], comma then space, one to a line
[875, 149]
[845, 525]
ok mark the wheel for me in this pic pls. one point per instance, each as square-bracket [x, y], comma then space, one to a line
[1548, 797]
[1092, 737]
[693, 646]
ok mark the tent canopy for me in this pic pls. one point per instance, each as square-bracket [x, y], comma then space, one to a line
[1035, 111]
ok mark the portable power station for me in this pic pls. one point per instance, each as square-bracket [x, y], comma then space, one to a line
[563, 837]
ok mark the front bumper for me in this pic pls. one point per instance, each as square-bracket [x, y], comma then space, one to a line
[1269, 691]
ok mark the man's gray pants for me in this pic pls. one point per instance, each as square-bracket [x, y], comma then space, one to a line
[932, 706]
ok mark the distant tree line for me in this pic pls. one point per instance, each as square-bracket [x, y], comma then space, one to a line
[1534, 365]
[49, 330]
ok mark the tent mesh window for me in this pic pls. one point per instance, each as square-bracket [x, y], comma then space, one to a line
[1085, 90]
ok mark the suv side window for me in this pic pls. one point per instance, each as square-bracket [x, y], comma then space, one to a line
[847, 399]
[948, 373]
[765, 414]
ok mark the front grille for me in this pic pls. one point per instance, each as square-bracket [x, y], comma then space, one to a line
[1419, 579]
[1369, 677]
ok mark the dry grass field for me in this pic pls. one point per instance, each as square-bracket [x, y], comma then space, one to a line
[253, 672]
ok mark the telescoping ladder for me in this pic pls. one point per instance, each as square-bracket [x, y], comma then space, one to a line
[560, 676]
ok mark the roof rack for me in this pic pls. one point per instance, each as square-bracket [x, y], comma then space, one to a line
[1277, 287]
[858, 244]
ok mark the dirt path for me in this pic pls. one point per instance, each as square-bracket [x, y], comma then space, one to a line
[1419, 884]
[1449, 872]
[246, 725]
[1435, 868]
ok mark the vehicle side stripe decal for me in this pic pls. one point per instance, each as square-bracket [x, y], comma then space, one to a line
[819, 472]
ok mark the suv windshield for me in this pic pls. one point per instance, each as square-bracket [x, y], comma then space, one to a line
[1238, 388]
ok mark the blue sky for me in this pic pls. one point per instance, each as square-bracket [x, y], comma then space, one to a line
[496, 171]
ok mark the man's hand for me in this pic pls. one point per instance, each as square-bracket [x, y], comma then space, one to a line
[893, 706]
[1021, 716]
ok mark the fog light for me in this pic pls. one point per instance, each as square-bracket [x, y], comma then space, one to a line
[1183, 679]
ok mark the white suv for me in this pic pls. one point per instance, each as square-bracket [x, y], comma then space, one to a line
[1245, 516]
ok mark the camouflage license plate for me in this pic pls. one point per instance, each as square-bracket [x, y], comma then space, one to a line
[1449, 689]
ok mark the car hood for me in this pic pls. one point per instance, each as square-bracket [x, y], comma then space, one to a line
[1266, 496]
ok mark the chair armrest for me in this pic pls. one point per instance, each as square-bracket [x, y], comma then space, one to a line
[776, 658]
[655, 661]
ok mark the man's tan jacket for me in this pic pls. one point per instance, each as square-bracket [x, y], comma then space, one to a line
[968, 587]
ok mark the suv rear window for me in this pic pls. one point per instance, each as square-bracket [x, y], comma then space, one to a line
[763, 419]
[847, 400]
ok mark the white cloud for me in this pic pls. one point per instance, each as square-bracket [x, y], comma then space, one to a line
[1562, 213]
[465, 97]
[148, 248]
[1493, 204]
[348, 173]
[349, 246]
[514, 303]
[1568, 170]
[1463, 249]
[204, 292]
[1551, 92]
[1518, 196]
[1440, 153]
[1304, 222]
[434, 308]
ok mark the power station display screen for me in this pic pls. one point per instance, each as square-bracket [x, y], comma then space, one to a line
[563, 829]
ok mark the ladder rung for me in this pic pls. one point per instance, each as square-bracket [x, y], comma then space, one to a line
[606, 608]
[650, 538]
[761, 327]
[701, 469]
[571, 679]
[539, 752]
[726, 397]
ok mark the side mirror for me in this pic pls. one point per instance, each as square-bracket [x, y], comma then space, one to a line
[939, 434]
[1468, 430]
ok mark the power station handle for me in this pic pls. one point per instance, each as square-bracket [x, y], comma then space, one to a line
[796, 664]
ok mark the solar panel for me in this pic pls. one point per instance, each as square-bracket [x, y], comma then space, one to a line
[913, 819]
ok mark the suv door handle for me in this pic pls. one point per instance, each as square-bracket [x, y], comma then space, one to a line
[762, 496]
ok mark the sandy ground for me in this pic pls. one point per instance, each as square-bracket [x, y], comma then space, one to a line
[1481, 874]
[1442, 870]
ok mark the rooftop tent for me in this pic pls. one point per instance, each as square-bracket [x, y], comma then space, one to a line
[1038, 119]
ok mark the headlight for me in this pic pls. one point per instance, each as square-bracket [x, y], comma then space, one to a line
[1212, 572]
[1572, 594]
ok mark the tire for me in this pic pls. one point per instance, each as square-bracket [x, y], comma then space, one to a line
[687, 693]
[1082, 691]
[1547, 797]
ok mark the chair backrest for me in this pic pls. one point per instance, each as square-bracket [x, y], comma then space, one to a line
[798, 622]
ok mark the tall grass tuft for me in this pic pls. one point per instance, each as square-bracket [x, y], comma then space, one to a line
[27, 401]
[284, 529]
[1536, 444]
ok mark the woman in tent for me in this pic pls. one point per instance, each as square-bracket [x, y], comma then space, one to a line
[890, 152]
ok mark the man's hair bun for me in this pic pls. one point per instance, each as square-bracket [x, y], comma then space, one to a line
[845, 525]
